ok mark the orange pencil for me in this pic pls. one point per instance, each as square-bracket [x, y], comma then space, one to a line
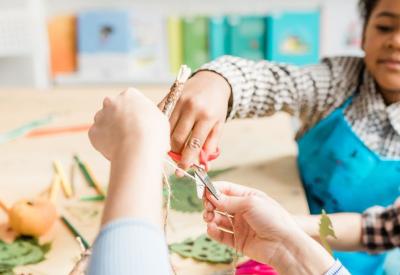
[58, 130]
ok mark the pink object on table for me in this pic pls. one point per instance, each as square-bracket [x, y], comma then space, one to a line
[254, 268]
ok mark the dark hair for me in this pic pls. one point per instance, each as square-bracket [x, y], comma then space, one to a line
[366, 8]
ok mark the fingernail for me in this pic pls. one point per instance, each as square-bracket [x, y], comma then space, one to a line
[179, 173]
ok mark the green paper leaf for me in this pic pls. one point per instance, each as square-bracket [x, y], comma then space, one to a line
[184, 196]
[326, 230]
[6, 269]
[184, 249]
[204, 249]
[46, 247]
[22, 251]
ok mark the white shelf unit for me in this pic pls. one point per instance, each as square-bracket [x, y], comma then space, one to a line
[37, 51]
[23, 43]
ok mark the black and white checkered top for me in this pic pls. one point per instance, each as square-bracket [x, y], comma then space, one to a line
[381, 228]
[311, 93]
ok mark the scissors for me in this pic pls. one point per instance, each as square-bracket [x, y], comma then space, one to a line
[201, 169]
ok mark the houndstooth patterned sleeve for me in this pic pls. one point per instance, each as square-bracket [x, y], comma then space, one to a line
[263, 88]
[381, 228]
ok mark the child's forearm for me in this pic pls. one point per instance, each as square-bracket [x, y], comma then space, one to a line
[347, 227]
[135, 189]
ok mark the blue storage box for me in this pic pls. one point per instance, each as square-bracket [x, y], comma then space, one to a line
[293, 37]
[218, 36]
[104, 31]
[246, 36]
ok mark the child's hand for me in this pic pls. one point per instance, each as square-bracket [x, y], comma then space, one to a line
[199, 114]
[129, 123]
[260, 225]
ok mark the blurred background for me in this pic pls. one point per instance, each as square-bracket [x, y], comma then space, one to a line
[52, 43]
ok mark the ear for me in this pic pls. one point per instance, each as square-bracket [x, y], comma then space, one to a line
[363, 37]
[363, 42]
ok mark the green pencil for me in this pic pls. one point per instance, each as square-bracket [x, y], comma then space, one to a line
[75, 232]
[93, 198]
[84, 171]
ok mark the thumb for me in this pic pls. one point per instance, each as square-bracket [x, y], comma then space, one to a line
[232, 204]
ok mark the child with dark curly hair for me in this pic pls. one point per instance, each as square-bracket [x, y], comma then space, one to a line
[349, 140]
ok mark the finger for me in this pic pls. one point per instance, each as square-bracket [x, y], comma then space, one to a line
[228, 189]
[98, 117]
[191, 151]
[230, 204]
[92, 135]
[175, 115]
[237, 190]
[131, 92]
[211, 143]
[182, 131]
[207, 205]
[220, 236]
[107, 102]
[208, 216]
[222, 221]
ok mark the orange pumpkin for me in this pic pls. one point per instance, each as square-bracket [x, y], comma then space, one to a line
[32, 217]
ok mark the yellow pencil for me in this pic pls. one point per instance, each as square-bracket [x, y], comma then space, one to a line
[64, 182]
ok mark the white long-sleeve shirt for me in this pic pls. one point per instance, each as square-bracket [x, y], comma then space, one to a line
[134, 247]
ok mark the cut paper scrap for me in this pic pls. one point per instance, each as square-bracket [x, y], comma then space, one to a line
[204, 249]
[85, 213]
[22, 251]
[24, 129]
[326, 230]
[184, 196]
[58, 130]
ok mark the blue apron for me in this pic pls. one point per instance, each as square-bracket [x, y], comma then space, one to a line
[341, 174]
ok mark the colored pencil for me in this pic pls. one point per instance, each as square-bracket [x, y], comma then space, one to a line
[65, 184]
[75, 232]
[58, 130]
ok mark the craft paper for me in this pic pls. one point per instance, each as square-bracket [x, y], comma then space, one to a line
[185, 195]
[325, 230]
[21, 252]
[204, 249]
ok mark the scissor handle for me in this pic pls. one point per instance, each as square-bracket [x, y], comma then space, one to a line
[204, 157]
[175, 156]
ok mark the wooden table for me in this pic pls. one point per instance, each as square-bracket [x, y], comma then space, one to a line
[262, 151]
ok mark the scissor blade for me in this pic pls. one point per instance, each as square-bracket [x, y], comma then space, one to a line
[205, 179]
